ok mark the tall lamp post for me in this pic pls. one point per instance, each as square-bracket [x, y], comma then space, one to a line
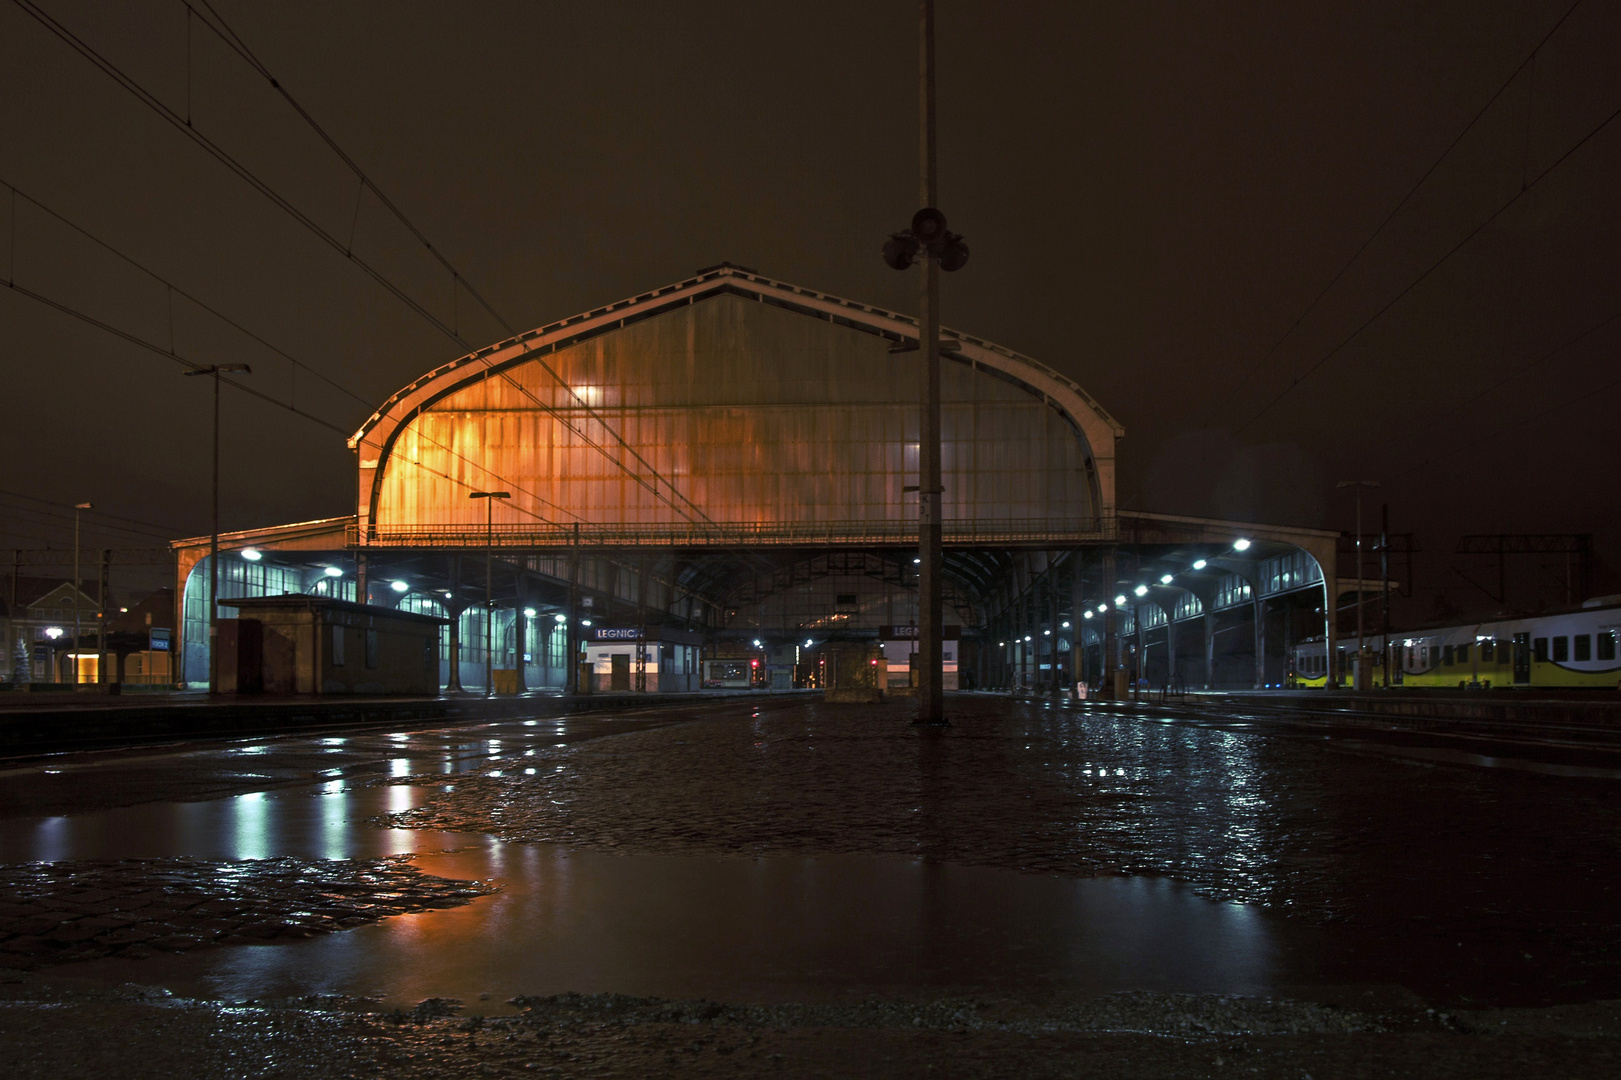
[215, 370]
[1361, 681]
[73, 656]
[489, 498]
[928, 241]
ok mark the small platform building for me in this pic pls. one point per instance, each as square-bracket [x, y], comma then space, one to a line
[298, 644]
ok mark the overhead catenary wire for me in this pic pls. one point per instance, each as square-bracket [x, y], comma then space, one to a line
[1432, 268]
[158, 530]
[234, 41]
[58, 519]
[172, 289]
[1294, 327]
[662, 492]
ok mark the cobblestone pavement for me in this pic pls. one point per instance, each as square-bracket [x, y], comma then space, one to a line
[1515, 868]
[56, 913]
[55, 1030]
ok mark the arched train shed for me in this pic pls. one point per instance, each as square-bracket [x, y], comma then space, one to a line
[732, 459]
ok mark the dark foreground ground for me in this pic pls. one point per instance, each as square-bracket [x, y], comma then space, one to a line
[1441, 912]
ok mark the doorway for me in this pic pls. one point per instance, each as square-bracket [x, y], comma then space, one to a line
[1522, 659]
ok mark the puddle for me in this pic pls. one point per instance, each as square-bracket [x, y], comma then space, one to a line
[770, 929]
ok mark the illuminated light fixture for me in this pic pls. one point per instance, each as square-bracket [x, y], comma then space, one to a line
[54, 632]
[1066, 626]
[252, 554]
[807, 643]
[1141, 590]
[332, 571]
[916, 561]
[1241, 544]
[529, 613]
[1046, 633]
[1088, 614]
[1165, 579]
[1027, 637]
[399, 586]
[756, 643]
[1103, 609]
[1001, 644]
[447, 594]
[559, 618]
[585, 622]
[1199, 564]
[1120, 601]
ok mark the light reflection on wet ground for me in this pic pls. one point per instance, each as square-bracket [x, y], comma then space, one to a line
[800, 850]
[782, 929]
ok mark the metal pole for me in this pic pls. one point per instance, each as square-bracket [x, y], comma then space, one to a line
[489, 593]
[214, 554]
[73, 657]
[101, 617]
[930, 703]
[1384, 586]
[1361, 649]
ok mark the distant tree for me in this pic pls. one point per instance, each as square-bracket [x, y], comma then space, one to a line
[22, 664]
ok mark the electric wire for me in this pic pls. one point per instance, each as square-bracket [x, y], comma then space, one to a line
[64, 520]
[243, 172]
[1434, 266]
[1294, 327]
[174, 289]
[1587, 395]
[160, 530]
[235, 42]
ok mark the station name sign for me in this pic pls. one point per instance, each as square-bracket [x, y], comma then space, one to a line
[615, 633]
[909, 633]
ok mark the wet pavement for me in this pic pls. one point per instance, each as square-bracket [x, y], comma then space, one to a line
[788, 851]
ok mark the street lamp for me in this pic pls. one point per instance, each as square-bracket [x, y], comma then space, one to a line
[489, 576]
[928, 241]
[1361, 678]
[74, 655]
[215, 370]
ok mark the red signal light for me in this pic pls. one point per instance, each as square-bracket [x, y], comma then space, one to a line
[754, 663]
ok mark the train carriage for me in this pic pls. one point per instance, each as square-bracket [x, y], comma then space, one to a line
[1576, 648]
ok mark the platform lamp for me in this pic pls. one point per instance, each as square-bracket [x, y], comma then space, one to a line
[928, 241]
[489, 498]
[1361, 681]
[215, 370]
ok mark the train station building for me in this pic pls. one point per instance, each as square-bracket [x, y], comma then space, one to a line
[723, 472]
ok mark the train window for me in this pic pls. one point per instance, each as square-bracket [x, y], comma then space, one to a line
[1606, 645]
[1463, 654]
[1561, 649]
[1435, 656]
[1485, 652]
[1584, 647]
[1540, 647]
[1446, 656]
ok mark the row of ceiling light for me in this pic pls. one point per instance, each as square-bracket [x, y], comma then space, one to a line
[1241, 544]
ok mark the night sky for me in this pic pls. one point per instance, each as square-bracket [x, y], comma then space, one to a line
[1154, 194]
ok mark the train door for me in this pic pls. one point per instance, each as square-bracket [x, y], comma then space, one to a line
[1522, 659]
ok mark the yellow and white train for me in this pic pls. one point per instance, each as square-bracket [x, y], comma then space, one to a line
[1576, 648]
